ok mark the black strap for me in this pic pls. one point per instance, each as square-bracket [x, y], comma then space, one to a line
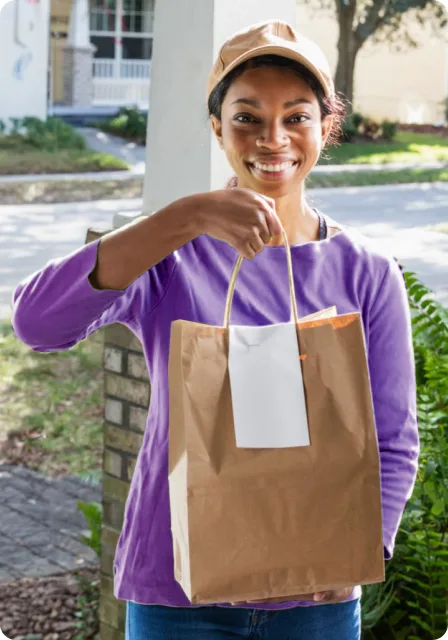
[322, 225]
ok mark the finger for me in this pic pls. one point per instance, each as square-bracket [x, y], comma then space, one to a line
[255, 242]
[272, 219]
[320, 596]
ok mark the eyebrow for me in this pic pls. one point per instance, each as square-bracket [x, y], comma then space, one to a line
[255, 103]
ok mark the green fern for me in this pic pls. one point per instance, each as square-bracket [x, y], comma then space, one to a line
[417, 576]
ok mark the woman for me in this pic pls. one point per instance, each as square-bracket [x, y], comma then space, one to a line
[273, 109]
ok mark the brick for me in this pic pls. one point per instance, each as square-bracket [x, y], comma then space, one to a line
[113, 513]
[110, 633]
[112, 463]
[107, 585]
[122, 439]
[109, 538]
[131, 467]
[107, 562]
[121, 336]
[126, 389]
[115, 488]
[137, 418]
[113, 359]
[113, 410]
[113, 611]
[137, 366]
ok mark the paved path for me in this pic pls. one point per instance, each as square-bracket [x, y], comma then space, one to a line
[30, 235]
[40, 524]
[397, 216]
[132, 153]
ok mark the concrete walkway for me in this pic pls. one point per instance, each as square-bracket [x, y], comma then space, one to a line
[132, 153]
[40, 524]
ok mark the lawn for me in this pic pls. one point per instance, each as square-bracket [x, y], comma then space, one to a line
[31, 161]
[18, 157]
[51, 405]
[407, 147]
[442, 227]
[380, 177]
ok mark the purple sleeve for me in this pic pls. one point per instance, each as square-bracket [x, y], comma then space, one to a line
[57, 307]
[392, 374]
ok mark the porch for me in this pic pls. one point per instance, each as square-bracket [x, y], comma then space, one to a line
[121, 82]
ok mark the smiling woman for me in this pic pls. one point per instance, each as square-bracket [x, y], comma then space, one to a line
[273, 110]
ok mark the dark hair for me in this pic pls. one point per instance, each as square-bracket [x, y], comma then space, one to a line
[335, 106]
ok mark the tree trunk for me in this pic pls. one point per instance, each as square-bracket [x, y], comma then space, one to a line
[348, 48]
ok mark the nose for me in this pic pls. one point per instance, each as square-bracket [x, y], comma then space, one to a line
[273, 136]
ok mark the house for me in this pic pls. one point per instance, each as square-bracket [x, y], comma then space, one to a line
[122, 34]
[408, 86]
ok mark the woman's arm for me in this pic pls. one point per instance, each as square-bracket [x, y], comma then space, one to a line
[113, 279]
[393, 381]
[126, 253]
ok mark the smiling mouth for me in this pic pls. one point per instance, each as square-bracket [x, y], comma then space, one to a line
[273, 171]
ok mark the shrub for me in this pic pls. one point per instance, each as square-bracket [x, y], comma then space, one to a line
[389, 130]
[358, 126]
[130, 123]
[51, 134]
[411, 604]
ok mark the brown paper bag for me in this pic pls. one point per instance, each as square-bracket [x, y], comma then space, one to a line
[260, 524]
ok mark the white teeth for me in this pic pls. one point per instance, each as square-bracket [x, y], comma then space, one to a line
[274, 167]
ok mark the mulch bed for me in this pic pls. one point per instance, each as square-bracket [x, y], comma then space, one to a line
[44, 608]
[425, 128]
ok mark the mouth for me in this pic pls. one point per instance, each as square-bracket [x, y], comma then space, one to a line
[273, 171]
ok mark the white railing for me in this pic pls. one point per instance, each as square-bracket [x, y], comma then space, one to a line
[103, 68]
[111, 91]
[139, 69]
[121, 83]
[135, 69]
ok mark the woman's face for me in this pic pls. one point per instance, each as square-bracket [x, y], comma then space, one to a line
[271, 130]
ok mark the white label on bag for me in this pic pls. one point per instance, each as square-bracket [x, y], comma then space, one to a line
[268, 397]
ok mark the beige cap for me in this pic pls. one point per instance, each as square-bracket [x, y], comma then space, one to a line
[271, 37]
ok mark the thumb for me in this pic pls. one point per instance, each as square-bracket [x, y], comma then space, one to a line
[319, 596]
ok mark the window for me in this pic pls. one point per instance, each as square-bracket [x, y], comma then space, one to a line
[102, 15]
[138, 16]
[137, 48]
[105, 46]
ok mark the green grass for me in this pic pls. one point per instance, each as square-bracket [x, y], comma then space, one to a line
[365, 178]
[18, 157]
[442, 227]
[407, 147]
[53, 403]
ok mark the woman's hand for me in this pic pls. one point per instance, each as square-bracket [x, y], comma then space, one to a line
[329, 597]
[333, 596]
[241, 217]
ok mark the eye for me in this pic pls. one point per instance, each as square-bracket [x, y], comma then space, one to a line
[295, 119]
[244, 118]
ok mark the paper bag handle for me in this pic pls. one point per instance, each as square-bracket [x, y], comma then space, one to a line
[232, 284]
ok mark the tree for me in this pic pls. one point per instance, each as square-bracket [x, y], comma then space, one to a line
[377, 21]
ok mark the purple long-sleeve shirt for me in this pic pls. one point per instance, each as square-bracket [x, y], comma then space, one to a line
[56, 307]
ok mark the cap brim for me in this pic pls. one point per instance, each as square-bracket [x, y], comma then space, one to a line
[285, 52]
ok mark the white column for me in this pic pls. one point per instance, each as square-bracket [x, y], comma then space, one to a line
[182, 157]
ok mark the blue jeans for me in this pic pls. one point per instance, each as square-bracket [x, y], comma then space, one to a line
[340, 621]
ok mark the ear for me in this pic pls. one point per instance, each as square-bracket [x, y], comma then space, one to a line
[327, 124]
[217, 129]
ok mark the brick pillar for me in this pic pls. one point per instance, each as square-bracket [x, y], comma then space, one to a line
[126, 403]
[78, 75]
